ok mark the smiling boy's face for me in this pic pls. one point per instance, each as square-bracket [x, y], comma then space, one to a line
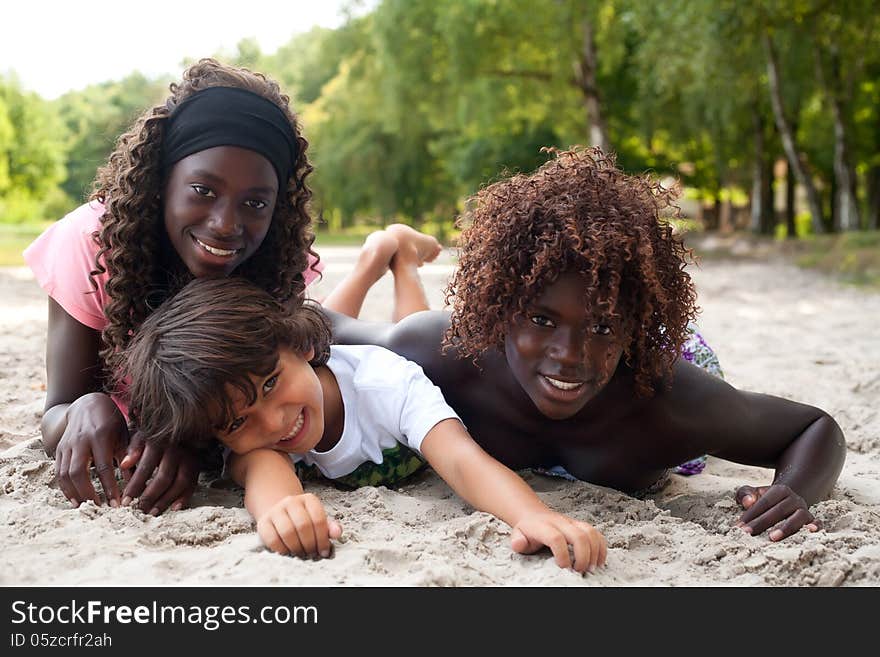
[561, 356]
[288, 414]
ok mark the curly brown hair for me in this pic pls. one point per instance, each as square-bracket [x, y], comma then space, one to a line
[576, 213]
[131, 240]
[205, 340]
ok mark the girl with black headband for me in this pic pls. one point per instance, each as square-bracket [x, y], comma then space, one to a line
[210, 183]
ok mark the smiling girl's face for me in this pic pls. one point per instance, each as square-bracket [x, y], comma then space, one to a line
[288, 413]
[218, 206]
[558, 352]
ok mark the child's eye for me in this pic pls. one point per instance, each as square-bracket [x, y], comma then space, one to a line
[201, 190]
[601, 329]
[235, 425]
[256, 204]
[540, 320]
[270, 383]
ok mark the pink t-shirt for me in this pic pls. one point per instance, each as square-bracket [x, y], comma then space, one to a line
[62, 257]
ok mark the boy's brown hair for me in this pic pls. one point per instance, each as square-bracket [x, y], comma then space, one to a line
[576, 213]
[214, 333]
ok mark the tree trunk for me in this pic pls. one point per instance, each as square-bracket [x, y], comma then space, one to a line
[585, 75]
[761, 210]
[874, 197]
[831, 223]
[711, 213]
[790, 228]
[716, 211]
[769, 211]
[795, 160]
[846, 208]
[725, 217]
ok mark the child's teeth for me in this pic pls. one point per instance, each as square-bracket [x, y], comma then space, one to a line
[297, 425]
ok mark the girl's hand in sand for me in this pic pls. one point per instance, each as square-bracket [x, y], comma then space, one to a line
[557, 532]
[174, 471]
[94, 436]
[298, 525]
[776, 506]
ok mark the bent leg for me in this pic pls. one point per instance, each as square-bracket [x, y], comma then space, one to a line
[372, 263]
[414, 250]
[402, 250]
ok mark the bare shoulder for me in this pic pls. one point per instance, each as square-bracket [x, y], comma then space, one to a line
[419, 337]
[691, 386]
[419, 330]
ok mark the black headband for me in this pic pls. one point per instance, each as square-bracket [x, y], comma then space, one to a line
[227, 116]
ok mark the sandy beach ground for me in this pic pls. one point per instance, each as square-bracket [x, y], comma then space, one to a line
[776, 329]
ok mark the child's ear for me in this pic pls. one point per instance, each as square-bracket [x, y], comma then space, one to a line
[309, 356]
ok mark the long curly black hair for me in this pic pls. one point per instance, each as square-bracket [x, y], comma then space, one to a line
[131, 239]
[576, 213]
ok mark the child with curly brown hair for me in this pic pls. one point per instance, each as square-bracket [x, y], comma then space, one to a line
[566, 347]
[209, 183]
[224, 360]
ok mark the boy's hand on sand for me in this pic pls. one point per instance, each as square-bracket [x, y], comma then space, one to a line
[174, 471]
[94, 435]
[776, 506]
[557, 532]
[298, 525]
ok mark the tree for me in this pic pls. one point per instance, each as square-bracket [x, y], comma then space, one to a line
[700, 105]
[32, 153]
[842, 35]
[95, 117]
[796, 160]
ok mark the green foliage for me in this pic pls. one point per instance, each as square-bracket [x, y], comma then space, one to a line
[803, 227]
[853, 257]
[14, 238]
[412, 107]
[31, 153]
[95, 117]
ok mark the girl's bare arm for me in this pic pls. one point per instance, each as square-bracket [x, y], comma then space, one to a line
[804, 445]
[80, 426]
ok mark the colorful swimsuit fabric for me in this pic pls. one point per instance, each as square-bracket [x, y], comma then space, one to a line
[696, 351]
[398, 464]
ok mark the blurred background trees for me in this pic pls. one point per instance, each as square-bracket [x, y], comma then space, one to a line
[766, 111]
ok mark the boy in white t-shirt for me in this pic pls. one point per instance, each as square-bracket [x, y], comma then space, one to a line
[222, 359]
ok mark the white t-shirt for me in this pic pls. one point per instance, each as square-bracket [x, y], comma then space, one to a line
[387, 399]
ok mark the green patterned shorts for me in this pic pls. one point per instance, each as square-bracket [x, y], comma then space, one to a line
[398, 463]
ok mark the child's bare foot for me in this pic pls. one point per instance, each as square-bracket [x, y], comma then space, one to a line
[376, 254]
[413, 247]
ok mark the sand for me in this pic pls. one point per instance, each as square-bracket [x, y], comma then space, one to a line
[776, 329]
